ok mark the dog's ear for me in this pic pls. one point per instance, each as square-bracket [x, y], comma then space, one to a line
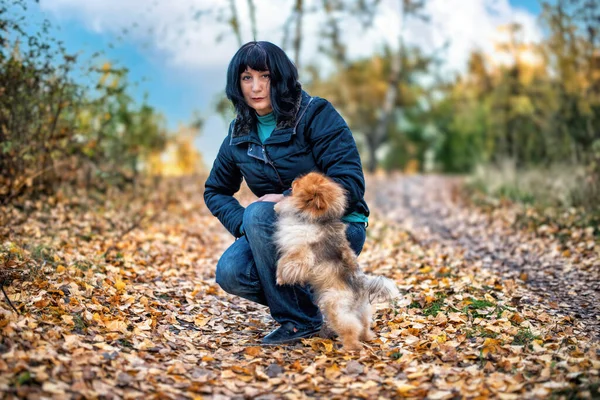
[318, 202]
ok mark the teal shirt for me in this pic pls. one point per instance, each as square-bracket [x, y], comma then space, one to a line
[266, 126]
[356, 217]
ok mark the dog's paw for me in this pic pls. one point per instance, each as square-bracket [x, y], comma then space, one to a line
[367, 335]
[279, 279]
[352, 345]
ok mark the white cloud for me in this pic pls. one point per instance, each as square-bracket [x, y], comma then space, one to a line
[170, 27]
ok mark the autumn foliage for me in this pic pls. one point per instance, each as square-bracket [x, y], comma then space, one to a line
[115, 311]
[57, 129]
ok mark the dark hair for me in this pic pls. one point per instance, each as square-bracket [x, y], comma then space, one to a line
[262, 56]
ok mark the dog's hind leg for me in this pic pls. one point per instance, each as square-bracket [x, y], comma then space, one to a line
[337, 307]
[366, 312]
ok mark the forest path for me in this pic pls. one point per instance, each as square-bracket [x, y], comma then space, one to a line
[123, 304]
[563, 281]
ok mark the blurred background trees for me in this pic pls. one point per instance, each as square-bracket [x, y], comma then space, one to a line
[525, 121]
[57, 129]
[532, 121]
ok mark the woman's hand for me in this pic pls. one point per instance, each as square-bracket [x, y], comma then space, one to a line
[273, 198]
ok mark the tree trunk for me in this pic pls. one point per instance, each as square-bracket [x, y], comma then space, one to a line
[234, 22]
[380, 132]
[372, 148]
[299, 11]
[252, 10]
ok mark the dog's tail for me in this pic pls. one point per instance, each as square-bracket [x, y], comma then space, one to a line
[380, 289]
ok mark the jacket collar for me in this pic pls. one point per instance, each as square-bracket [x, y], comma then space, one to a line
[245, 123]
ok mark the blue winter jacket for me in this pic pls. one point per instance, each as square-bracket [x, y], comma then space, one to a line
[316, 139]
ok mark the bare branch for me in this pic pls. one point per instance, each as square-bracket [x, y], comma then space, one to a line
[8, 300]
[252, 9]
[299, 13]
[234, 22]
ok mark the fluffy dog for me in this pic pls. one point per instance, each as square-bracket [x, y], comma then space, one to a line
[313, 249]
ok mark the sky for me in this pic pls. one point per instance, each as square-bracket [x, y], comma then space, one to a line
[179, 56]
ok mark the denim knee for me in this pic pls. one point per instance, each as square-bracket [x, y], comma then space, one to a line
[258, 216]
[356, 233]
[226, 277]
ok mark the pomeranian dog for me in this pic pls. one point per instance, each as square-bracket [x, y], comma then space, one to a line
[313, 249]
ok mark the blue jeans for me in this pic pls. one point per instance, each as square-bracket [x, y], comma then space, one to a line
[247, 269]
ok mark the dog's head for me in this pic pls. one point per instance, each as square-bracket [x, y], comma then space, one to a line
[318, 197]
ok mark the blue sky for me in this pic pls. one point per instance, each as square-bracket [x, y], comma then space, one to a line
[180, 78]
[532, 6]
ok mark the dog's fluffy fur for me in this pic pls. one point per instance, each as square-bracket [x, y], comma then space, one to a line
[313, 249]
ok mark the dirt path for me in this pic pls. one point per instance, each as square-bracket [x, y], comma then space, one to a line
[426, 207]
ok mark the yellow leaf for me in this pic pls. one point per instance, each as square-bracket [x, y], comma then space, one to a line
[441, 338]
[60, 269]
[332, 372]
[146, 344]
[201, 321]
[456, 317]
[120, 285]
[260, 374]
[228, 374]
[253, 351]
[146, 325]
[212, 290]
[426, 269]
[310, 370]
[523, 276]
[403, 389]
[319, 344]
[328, 345]
[517, 318]
[489, 346]
[116, 326]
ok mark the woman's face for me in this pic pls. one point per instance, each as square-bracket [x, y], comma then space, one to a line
[256, 87]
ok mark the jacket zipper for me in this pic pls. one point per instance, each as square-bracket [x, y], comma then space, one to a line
[268, 161]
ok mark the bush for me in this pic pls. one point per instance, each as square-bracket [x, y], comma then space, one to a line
[55, 130]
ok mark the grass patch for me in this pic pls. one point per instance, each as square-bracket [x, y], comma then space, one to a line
[83, 265]
[80, 323]
[435, 307]
[561, 197]
[125, 343]
[480, 331]
[477, 305]
[499, 310]
[43, 255]
[415, 304]
[23, 378]
[524, 337]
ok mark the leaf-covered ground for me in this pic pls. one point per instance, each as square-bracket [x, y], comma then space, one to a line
[121, 303]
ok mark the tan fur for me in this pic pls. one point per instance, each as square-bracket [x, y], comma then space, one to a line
[313, 248]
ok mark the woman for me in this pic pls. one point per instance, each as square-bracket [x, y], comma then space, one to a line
[280, 132]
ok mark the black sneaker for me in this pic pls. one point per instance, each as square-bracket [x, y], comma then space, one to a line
[326, 332]
[288, 333]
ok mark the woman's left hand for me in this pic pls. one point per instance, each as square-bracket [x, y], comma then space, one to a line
[273, 198]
